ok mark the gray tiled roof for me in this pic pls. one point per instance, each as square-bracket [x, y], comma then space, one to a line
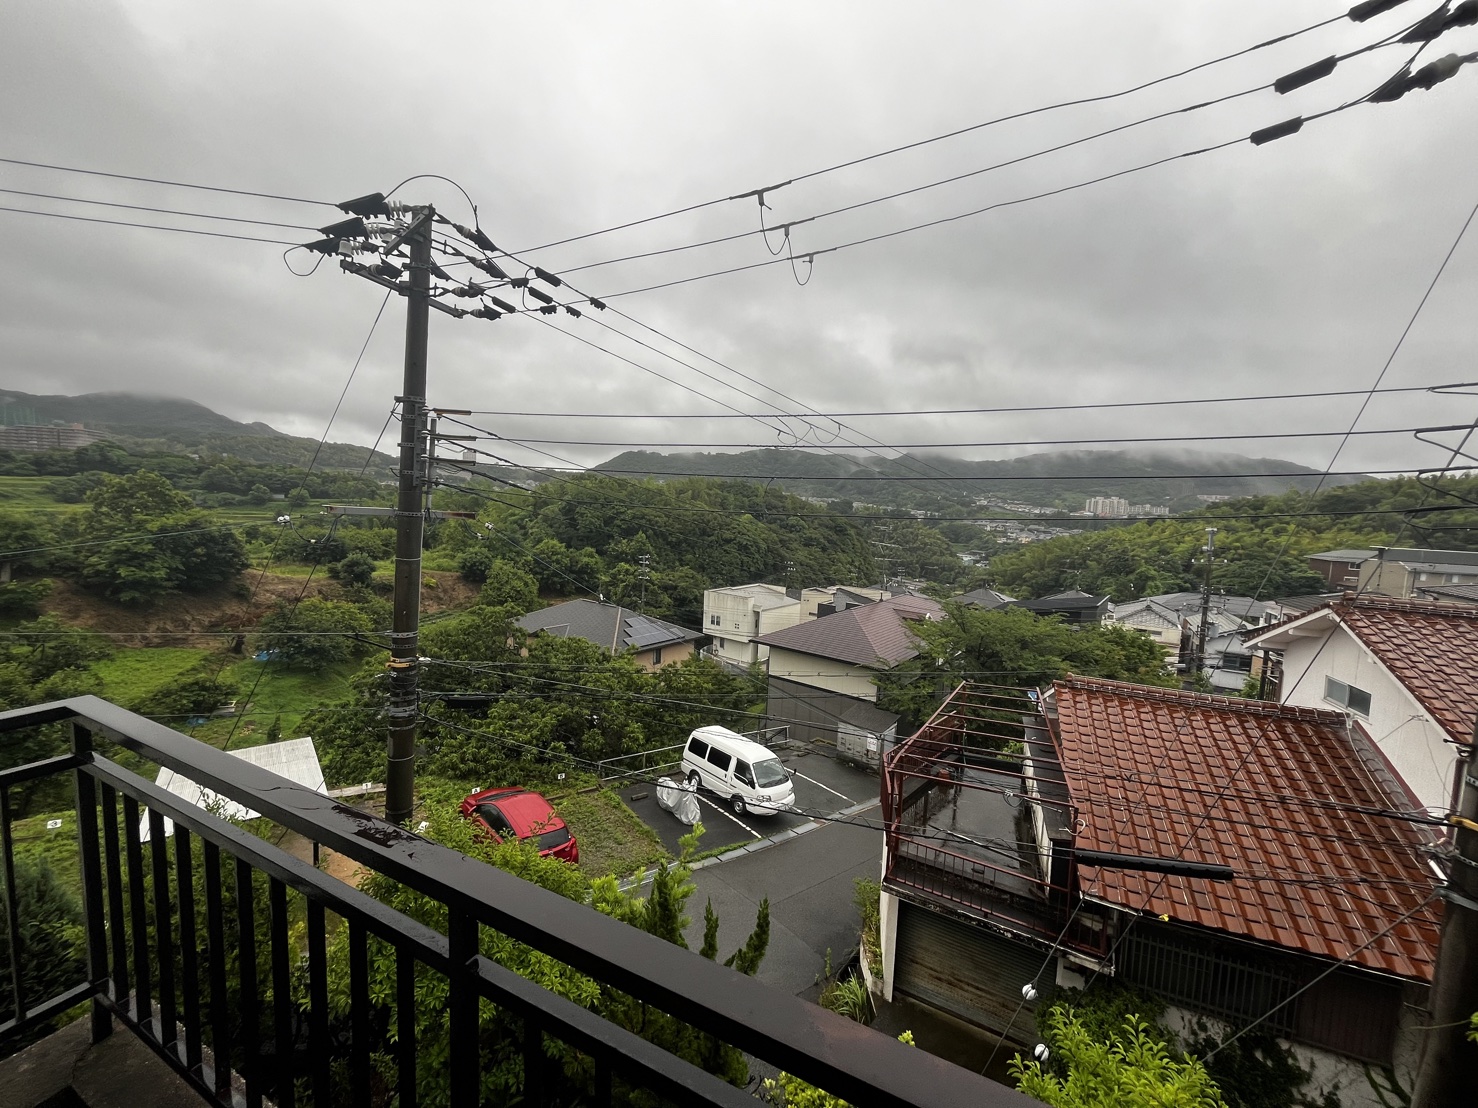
[610, 626]
[873, 635]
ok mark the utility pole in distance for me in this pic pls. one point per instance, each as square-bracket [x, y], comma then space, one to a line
[1198, 663]
[1448, 1059]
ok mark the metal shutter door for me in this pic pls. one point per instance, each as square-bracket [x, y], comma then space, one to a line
[963, 970]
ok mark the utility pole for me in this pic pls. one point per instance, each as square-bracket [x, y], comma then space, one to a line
[410, 527]
[392, 233]
[1448, 1059]
[1200, 659]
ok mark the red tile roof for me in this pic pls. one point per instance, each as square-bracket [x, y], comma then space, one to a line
[1431, 647]
[1149, 769]
[872, 635]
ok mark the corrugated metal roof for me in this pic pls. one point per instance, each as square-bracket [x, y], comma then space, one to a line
[868, 635]
[295, 759]
[1149, 770]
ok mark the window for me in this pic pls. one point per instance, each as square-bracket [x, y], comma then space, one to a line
[721, 643]
[742, 773]
[714, 621]
[1347, 696]
[697, 748]
[657, 656]
[719, 760]
[496, 820]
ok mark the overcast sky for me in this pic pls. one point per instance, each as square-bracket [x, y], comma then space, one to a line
[1288, 267]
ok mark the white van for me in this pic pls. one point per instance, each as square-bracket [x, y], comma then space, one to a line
[744, 773]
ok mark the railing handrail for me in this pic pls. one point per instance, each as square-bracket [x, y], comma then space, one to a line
[819, 1046]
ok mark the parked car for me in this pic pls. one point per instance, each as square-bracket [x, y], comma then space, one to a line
[519, 814]
[743, 772]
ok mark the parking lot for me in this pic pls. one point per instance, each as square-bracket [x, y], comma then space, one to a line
[822, 785]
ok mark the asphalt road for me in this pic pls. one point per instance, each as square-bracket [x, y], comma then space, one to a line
[822, 786]
[809, 880]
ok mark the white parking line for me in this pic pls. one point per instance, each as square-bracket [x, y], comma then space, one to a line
[828, 788]
[721, 810]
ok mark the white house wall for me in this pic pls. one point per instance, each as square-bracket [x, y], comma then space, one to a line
[1405, 733]
[823, 673]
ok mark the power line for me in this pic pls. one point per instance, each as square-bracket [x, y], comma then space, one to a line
[601, 471]
[160, 211]
[149, 226]
[637, 445]
[1096, 406]
[761, 192]
[162, 181]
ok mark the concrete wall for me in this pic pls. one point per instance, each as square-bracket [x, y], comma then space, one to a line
[1399, 726]
[823, 673]
[1330, 1072]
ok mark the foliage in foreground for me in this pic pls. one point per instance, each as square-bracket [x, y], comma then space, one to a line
[1128, 1068]
[660, 913]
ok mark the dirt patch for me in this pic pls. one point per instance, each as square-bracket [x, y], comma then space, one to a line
[443, 591]
[158, 625]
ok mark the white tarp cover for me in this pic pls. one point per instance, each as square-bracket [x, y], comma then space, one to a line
[679, 798]
[295, 759]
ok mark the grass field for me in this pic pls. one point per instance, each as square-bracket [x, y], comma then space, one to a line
[29, 494]
[130, 675]
[612, 839]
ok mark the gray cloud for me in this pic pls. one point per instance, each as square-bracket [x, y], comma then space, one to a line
[1288, 267]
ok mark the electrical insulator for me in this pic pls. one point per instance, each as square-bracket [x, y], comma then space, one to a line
[490, 268]
[1307, 75]
[1372, 8]
[323, 246]
[519, 282]
[598, 305]
[573, 311]
[346, 229]
[503, 306]
[547, 277]
[373, 204]
[485, 313]
[1277, 131]
[541, 296]
[469, 289]
[549, 309]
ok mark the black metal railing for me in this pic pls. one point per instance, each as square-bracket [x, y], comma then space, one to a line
[234, 993]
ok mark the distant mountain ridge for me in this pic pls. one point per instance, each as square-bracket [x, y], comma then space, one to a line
[183, 426]
[1061, 479]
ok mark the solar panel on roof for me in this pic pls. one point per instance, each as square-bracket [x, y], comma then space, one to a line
[641, 631]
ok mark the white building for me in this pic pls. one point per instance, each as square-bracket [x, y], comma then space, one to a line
[734, 617]
[1404, 671]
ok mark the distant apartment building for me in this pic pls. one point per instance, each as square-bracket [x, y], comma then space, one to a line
[33, 438]
[1402, 572]
[1111, 506]
[734, 617]
[1116, 507]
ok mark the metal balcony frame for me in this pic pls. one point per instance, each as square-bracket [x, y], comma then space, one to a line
[825, 1049]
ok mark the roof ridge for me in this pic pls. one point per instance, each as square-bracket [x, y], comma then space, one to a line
[1190, 698]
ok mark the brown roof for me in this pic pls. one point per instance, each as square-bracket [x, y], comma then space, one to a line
[1429, 646]
[874, 635]
[1148, 770]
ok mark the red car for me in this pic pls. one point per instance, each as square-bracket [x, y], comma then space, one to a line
[519, 814]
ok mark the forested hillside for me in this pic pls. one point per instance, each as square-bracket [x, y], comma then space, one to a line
[1060, 479]
[1262, 542]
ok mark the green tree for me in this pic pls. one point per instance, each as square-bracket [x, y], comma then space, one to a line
[313, 632]
[1011, 646]
[160, 543]
[357, 570]
[1127, 1068]
[51, 934]
[506, 585]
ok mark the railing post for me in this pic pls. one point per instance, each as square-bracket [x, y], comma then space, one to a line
[92, 883]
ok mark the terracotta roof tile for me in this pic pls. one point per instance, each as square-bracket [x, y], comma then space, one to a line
[1148, 770]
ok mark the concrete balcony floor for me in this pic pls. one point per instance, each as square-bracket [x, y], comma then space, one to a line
[64, 1070]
